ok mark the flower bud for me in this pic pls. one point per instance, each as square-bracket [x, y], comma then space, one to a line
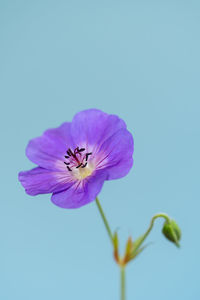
[172, 232]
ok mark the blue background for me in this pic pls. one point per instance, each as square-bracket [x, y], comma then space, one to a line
[139, 60]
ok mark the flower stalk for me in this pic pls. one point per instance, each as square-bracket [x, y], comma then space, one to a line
[114, 242]
[104, 220]
[170, 230]
[123, 285]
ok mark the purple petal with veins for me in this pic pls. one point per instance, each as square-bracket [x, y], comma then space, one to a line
[76, 158]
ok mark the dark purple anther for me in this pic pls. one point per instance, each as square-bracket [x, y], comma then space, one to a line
[86, 157]
[79, 166]
[83, 166]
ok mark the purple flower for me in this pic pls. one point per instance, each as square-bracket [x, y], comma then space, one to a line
[76, 158]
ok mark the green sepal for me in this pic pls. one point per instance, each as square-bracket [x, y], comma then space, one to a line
[137, 243]
[116, 246]
[137, 252]
[115, 240]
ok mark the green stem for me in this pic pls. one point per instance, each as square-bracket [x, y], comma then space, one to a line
[122, 271]
[122, 268]
[161, 215]
[104, 220]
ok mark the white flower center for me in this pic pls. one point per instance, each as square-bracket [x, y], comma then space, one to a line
[82, 173]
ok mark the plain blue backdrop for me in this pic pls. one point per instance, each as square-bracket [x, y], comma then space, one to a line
[139, 60]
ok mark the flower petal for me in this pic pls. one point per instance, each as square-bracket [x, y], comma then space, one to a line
[76, 197]
[42, 181]
[116, 154]
[93, 127]
[120, 170]
[48, 150]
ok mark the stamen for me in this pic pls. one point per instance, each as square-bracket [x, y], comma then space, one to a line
[76, 150]
[68, 152]
[83, 166]
[87, 154]
[79, 166]
[76, 158]
[81, 150]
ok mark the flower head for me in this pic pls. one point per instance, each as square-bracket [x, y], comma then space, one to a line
[76, 158]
